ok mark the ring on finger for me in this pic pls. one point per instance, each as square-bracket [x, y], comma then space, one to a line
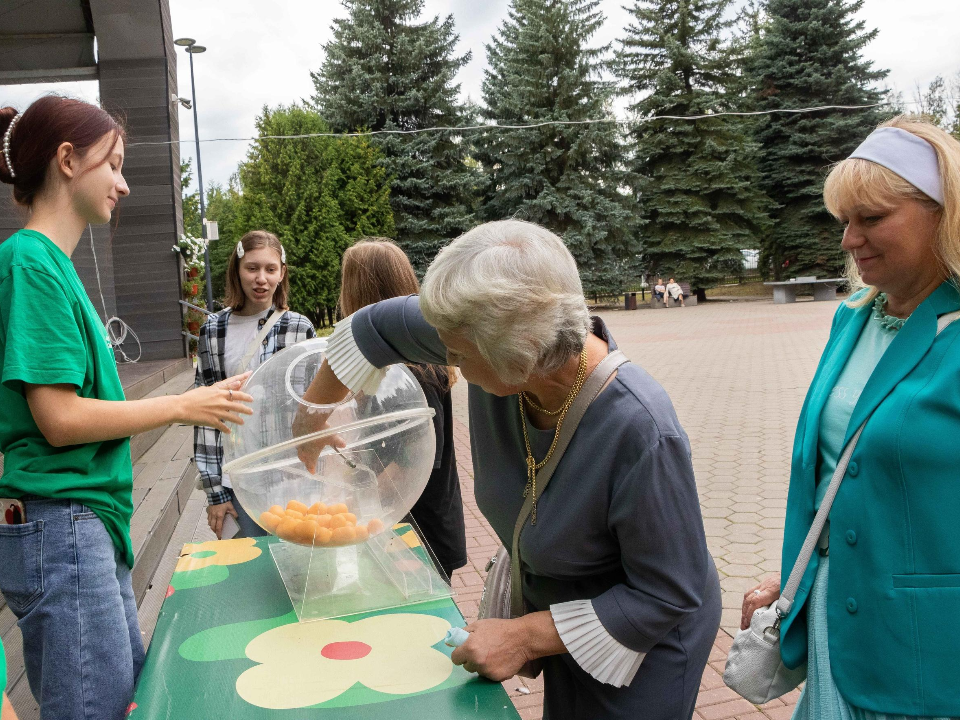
[230, 390]
[757, 593]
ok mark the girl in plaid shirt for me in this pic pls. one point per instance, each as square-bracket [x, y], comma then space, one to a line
[257, 287]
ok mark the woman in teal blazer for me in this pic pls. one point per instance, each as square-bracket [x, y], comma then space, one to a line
[886, 580]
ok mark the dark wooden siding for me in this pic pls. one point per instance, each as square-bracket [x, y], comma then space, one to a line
[138, 270]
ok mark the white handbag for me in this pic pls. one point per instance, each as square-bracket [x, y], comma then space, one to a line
[754, 668]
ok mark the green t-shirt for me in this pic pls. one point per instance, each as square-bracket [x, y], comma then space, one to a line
[50, 334]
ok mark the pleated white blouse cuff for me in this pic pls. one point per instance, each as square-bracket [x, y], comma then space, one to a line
[348, 363]
[594, 649]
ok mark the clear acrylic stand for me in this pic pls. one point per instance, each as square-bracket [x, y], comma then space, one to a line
[380, 574]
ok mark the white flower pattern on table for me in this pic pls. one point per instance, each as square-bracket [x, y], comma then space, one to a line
[304, 664]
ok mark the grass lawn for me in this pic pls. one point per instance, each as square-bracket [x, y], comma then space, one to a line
[747, 289]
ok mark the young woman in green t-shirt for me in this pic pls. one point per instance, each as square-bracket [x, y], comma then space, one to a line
[65, 427]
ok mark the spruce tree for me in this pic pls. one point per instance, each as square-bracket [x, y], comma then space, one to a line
[318, 195]
[568, 178]
[810, 55]
[385, 70]
[697, 178]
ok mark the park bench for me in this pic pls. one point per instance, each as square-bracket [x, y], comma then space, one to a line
[688, 297]
[785, 291]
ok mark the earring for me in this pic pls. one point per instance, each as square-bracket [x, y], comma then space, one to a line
[240, 249]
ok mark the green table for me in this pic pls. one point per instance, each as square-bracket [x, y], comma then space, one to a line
[228, 644]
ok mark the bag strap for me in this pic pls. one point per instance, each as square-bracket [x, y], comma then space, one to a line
[591, 388]
[806, 550]
[255, 344]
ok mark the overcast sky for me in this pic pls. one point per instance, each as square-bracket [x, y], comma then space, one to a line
[262, 54]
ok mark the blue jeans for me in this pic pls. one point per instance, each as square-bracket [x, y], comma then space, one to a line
[248, 526]
[70, 590]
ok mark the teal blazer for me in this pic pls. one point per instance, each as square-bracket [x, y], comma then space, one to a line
[893, 603]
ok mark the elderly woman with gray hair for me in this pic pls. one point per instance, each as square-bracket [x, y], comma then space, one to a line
[621, 596]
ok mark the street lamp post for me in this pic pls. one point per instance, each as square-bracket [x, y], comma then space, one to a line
[191, 47]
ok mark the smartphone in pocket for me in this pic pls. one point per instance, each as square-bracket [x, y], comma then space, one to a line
[12, 512]
[230, 527]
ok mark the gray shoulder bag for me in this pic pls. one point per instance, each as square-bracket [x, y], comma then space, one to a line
[502, 590]
[754, 667]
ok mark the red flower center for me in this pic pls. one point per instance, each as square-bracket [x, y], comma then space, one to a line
[350, 650]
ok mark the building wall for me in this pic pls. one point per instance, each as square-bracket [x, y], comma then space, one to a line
[138, 269]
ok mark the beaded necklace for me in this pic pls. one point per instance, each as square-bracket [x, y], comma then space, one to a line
[887, 322]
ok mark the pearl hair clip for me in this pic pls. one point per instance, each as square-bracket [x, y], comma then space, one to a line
[241, 251]
[6, 144]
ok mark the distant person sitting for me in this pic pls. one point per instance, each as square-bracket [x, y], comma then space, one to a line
[659, 290]
[675, 291]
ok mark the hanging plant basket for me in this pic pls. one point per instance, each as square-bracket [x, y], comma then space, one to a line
[192, 273]
[193, 326]
[194, 289]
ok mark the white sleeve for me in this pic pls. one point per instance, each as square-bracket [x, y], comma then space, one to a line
[594, 649]
[348, 363]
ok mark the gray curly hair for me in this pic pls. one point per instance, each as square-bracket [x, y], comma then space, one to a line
[511, 288]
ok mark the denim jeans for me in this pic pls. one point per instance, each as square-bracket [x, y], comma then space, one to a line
[70, 589]
[248, 526]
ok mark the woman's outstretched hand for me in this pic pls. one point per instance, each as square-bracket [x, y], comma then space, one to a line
[325, 390]
[759, 596]
[216, 405]
[307, 422]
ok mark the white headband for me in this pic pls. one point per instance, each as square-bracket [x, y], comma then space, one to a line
[909, 156]
[241, 251]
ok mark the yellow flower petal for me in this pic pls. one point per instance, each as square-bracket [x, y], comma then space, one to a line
[401, 630]
[225, 552]
[281, 686]
[415, 670]
[294, 672]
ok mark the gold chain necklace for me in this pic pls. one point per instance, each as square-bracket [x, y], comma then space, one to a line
[531, 403]
[532, 465]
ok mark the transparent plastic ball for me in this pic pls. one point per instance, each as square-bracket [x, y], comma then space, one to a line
[376, 453]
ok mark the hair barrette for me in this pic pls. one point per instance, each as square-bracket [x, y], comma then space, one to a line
[240, 249]
[6, 144]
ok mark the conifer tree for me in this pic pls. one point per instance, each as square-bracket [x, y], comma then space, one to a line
[222, 206]
[810, 55]
[568, 178]
[697, 178]
[386, 70]
[318, 195]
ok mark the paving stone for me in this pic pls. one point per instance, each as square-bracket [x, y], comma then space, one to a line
[743, 558]
[737, 570]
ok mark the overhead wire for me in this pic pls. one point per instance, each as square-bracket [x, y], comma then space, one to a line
[498, 126]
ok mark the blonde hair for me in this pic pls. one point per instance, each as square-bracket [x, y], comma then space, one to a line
[856, 181]
[375, 269]
[513, 288]
[254, 240]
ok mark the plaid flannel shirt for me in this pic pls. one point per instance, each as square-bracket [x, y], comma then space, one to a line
[290, 329]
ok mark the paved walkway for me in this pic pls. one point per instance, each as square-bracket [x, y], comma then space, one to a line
[737, 374]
